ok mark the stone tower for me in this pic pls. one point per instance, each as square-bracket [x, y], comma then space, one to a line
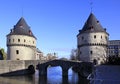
[21, 43]
[92, 41]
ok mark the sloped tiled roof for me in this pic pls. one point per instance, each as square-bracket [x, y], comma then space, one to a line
[92, 25]
[21, 28]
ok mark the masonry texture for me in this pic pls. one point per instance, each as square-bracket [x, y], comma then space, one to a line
[15, 65]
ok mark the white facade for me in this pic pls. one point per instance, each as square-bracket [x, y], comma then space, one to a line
[92, 42]
[93, 46]
[20, 47]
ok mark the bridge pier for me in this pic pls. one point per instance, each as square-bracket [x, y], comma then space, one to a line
[65, 72]
[42, 71]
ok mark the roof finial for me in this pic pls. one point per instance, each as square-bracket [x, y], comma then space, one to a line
[22, 11]
[91, 5]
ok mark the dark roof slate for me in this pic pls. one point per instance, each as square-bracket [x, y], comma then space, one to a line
[92, 25]
[21, 28]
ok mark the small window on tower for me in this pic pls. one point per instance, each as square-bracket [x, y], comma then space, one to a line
[80, 52]
[17, 51]
[91, 52]
[94, 36]
[101, 37]
[18, 40]
[24, 40]
[9, 40]
[13, 40]
[82, 38]
[106, 37]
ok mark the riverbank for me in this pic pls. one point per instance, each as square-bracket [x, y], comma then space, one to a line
[23, 72]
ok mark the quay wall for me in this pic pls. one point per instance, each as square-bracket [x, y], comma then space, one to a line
[7, 66]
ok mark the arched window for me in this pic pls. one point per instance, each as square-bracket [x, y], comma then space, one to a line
[94, 36]
[17, 51]
[13, 40]
[9, 40]
[24, 40]
[91, 52]
[18, 40]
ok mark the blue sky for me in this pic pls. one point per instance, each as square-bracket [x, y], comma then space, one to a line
[55, 23]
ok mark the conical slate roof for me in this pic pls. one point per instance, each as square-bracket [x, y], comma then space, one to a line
[92, 25]
[21, 28]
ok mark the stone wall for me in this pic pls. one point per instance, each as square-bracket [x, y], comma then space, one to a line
[7, 66]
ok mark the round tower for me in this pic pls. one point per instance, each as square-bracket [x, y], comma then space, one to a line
[92, 41]
[21, 43]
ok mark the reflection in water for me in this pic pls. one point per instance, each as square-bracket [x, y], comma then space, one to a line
[54, 77]
[17, 80]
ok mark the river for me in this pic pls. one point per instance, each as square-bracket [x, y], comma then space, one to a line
[54, 77]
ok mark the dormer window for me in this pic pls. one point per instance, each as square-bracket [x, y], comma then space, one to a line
[97, 21]
[30, 32]
[21, 26]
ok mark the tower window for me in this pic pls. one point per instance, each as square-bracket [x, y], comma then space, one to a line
[106, 38]
[18, 40]
[9, 40]
[17, 51]
[80, 52]
[91, 52]
[13, 40]
[101, 37]
[94, 36]
[24, 40]
[82, 38]
[33, 42]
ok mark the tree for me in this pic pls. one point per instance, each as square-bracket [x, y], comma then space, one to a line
[3, 54]
[73, 55]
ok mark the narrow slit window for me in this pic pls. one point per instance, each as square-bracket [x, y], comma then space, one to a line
[17, 51]
[94, 36]
[91, 52]
[18, 40]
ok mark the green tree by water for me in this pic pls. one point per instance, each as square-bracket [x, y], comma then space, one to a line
[3, 53]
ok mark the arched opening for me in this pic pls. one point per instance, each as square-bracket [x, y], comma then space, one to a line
[54, 72]
[31, 69]
[73, 74]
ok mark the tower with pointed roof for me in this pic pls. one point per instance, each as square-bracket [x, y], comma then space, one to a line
[92, 41]
[21, 43]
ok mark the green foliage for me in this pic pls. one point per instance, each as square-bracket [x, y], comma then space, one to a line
[3, 53]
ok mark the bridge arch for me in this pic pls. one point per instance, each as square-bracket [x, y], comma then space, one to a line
[64, 64]
[31, 69]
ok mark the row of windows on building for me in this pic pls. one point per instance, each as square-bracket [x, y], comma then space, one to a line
[114, 51]
[114, 47]
[114, 42]
[13, 40]
[95, 37]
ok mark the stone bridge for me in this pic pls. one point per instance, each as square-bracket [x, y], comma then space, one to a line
[65, 65]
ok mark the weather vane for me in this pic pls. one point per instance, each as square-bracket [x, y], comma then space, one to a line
[91, 5]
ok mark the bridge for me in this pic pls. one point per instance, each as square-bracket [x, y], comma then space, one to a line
[15, 67]
[84, 67]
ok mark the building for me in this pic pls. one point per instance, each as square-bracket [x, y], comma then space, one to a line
[92, 41]
[114, 48]
[21, 42]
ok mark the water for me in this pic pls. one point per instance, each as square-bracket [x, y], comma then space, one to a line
[54, 77]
